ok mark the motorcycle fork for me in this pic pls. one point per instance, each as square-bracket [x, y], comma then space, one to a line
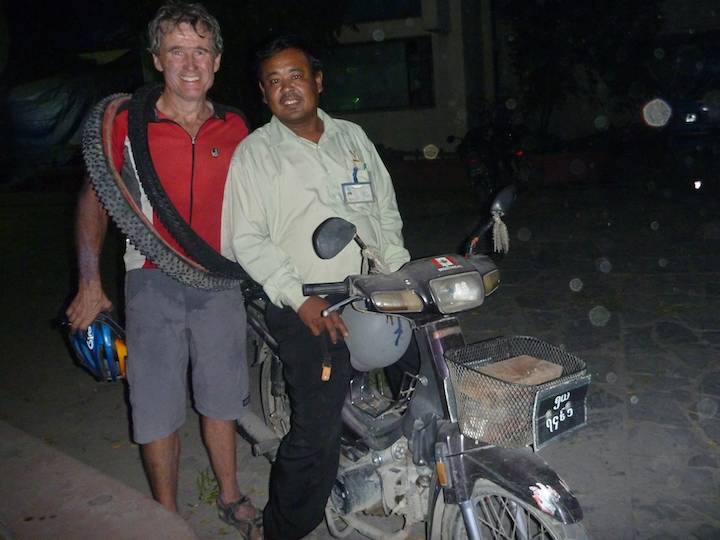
[439, 337]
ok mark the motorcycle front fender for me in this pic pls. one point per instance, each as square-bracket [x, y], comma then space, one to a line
[517, 470]
[524, 474]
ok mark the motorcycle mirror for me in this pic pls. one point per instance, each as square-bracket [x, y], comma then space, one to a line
[331, 237]
[504, 200]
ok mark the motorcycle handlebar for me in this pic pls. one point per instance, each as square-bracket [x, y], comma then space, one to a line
[316, 289]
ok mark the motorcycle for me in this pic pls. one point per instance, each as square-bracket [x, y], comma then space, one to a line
[494, 157]
[456, 448]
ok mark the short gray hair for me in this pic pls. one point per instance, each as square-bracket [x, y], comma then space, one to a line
[172, 14]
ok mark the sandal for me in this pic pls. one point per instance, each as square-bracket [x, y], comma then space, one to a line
[244, 526]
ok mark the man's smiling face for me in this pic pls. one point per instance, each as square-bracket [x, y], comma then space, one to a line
[187, 62]
[290, 88]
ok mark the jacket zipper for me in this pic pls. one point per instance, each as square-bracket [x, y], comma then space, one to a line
[192, 180]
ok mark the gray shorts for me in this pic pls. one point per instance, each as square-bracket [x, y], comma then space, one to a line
[169, 324]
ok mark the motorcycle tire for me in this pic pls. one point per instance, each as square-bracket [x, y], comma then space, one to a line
[118, 200]
[502, 515]
[141, 107]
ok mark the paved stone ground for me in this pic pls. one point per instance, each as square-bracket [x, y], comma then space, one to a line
[624, 276]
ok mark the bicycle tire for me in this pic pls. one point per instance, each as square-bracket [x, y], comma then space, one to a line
[117, 199]
[141, 108]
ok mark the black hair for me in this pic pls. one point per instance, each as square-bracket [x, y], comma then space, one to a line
[280, 44]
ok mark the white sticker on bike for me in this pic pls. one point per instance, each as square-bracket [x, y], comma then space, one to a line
[545, 497]
[445, 263]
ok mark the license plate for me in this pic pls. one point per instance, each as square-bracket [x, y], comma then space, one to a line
[559, 410]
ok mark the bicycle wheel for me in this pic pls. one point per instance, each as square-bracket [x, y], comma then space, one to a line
[118, 200]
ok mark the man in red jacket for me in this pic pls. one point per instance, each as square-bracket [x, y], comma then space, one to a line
[170, 324]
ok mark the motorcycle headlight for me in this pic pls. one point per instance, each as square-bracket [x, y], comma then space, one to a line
[406, 301]
[459, 292]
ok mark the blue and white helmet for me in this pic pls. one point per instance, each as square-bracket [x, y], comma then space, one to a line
[101, 349]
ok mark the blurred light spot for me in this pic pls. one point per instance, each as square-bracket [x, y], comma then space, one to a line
[654, 225]
[356, 100]
[601, 122]
[697, 184]
[378, 34]
[663, 262]
[611, 378]
[604, 265]
[707, 407]
[656, 112]
[634, 400]
[524, 234]
[599, 316]
[578, 167]
[576, 284]
[511, 104]
[431, 151]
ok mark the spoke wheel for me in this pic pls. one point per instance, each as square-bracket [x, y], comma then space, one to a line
[501, 515]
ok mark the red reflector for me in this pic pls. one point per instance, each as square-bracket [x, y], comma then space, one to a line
[519, 153]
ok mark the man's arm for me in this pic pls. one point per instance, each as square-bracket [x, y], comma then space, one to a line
[393, 253]
[90, 228]
[246, 238]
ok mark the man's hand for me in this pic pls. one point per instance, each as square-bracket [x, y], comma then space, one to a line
[310, 313]
[89, 301]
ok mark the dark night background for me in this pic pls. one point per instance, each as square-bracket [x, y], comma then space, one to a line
[614, 236]
[608, 54]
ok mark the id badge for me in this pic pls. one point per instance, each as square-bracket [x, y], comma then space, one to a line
[358, 192]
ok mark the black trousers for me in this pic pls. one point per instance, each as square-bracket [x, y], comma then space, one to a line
[307, 460]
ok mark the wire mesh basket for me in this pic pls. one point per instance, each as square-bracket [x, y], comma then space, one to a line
[494, 410]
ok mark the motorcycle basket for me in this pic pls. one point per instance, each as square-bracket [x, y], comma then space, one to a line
[497, 411]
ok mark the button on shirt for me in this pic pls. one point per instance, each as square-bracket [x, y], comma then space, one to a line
[281, 187]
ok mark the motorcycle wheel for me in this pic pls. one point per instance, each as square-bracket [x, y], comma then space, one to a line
[502, 515]
[275, 404]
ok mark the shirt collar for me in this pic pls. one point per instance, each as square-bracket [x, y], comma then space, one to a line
[219, 112]
[279, 132]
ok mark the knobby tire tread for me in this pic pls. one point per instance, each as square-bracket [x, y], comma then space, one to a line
[125, 211]
[141, 109]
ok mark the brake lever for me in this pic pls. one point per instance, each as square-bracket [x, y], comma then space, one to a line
[342, 303]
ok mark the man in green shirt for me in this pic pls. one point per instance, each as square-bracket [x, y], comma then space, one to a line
[284, 180]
